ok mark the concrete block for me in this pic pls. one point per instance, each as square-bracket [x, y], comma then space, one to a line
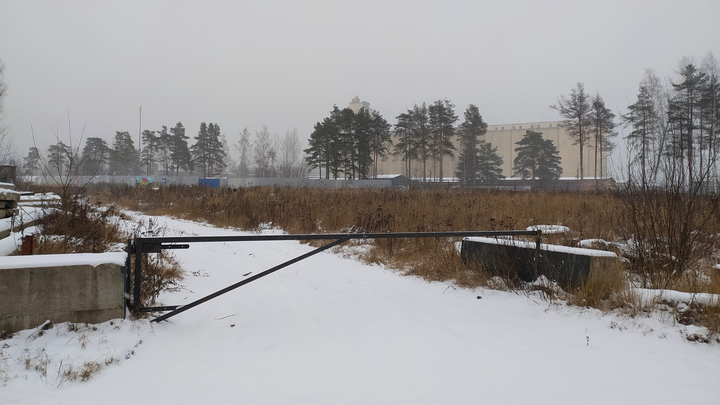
[9, 195]
[71, 291]
[569, 267]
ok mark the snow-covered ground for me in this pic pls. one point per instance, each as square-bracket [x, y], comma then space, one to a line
[330, 330]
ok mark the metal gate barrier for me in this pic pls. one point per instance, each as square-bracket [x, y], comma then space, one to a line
[144, 245]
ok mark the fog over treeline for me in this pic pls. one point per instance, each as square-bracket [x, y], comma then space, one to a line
[674, 116]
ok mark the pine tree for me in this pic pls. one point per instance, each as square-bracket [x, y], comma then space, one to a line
[199, 151]
[31, 163]
[95, 156]
[324, 150]
[471, 132]
[348, 143]
[356, 134]
[58, 158]
[536, 158]
[180, 156]
[413, 128]
[711, 110]
[405, 148]
[217, 155]
[576, 110]
[642, 117]
[380, 139]
[316, 155]
[422, 141]
[124, 157]
[602, 127]
[150, 151]
[685, 115]
[165, 147]
[442, 120]
[488, 164]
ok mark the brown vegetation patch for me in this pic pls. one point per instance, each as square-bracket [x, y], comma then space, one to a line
[309, 210]
[81, 228]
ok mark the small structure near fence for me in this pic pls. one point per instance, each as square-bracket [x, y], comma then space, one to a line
[8, 200]
[8, 174]
[516, 259]
[84, 288]
[212, 182]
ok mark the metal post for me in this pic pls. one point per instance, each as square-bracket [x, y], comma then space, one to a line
[27, 244]
[126, 279]
[537, 255]
[136, 305]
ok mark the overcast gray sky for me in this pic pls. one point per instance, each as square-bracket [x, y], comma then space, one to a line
[284, 63]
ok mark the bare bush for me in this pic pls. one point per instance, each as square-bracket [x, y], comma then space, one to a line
[80, 228]
[161, 272]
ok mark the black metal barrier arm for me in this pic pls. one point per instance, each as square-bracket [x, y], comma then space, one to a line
[248, 280]
[156, 244]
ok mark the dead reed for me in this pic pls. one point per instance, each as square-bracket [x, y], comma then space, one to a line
[81, 228]
[309, 210]
[305, 210]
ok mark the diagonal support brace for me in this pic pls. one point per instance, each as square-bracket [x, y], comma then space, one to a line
[184, 308]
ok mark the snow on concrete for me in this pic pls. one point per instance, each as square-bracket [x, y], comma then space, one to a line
[649, 297]
[544, 246]
[73, 259]
[549, 229]
[29, 199]
[330, 330]
[6, 194]
[593, 242]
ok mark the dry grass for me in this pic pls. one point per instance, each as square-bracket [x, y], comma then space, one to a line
[80, 229]
[306, 210]
[161, 272]
[309, 210]
[607, 287]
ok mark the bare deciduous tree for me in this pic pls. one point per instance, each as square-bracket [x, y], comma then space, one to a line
[7, 149]
[264, 153]
[63, 167]
[290, 156]
[244, 148]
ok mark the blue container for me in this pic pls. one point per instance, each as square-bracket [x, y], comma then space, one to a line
[214, 183]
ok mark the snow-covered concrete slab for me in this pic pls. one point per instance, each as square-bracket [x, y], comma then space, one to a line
[62, 288]
[569, 267]
[543, 246]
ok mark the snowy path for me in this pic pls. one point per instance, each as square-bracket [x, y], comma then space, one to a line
[330, 330]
